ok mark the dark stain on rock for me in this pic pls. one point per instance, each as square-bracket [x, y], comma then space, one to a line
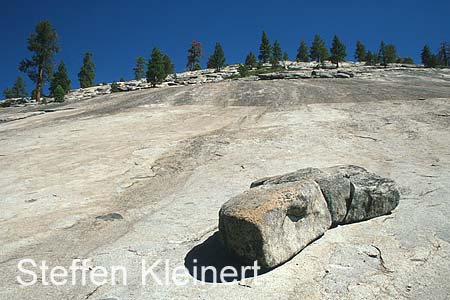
[110, 217]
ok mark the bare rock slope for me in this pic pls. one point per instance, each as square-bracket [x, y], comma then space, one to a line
[142, 175]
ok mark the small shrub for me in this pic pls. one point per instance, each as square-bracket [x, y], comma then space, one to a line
[114, 87]
[243, 70]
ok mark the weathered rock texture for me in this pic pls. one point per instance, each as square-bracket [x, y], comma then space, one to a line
[167, 159]
[281, 215]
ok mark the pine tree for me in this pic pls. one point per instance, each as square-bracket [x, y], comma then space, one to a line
[360, 53]
[407, 60]
[42, 43]
[277, 54]
[369, 58]
[17, 91]
[391, 54]
[274, 62]
[265, 49]
[434, 61]
[382, 51]
[168, 65]
[302, 53]
[250, 61]
[139, 69]
[285, 56]
[319, 51]
[375, 58]
[444, 54]
[217, 59]
[59, 94]
[8, 93]
[60, 78]
[86, 75]
[426, 56]
[19, 88]
[338, 51]
[156, 72]
[387, 54]
[194, 54]
[243, 70]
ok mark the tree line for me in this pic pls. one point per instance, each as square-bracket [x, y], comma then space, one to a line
[43, 44]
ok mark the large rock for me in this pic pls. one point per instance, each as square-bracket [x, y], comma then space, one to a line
[341, 75]
[346, 72]
[271, 224]
[334, 186]
[283, 75]
[280, 215]
[317, 74]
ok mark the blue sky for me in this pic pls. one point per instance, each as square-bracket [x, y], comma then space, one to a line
[119, 31]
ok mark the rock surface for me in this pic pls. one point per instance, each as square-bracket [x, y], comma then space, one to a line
[281, 215]
[167, 159]
[271, 224]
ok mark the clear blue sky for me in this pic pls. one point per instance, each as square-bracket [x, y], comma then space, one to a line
[119, 31]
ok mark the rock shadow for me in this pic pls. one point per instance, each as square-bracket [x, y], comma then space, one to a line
[212, 255]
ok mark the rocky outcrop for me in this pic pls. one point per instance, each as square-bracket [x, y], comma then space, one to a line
[283, 75]
[281, 215]
[15, 101]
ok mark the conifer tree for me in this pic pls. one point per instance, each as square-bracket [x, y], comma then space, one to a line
[390, 54]
[250, 61]
[302, 53]
[426, 56]
[86, 75]
[277, 53]
[382, 51]
[139, 69]
[168, 65]
[17, 91]
[319, 51]
[285, 56]
[243, 70]
[369, 58]
[444, 54]
[217, 59]
[59, 94]
[387, 54]
[8, 93]
[19, 88]
[265, 49]
[60, 78]
[407, 60]
[338, 51]
[42, 43]
[274, 62]
[375, 58]
[360, 52]
[195, 52]
[156, 72]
